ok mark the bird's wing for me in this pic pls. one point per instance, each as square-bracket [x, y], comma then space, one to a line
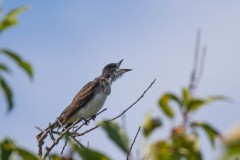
[82, 97]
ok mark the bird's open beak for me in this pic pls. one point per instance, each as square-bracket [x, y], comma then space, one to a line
[122, 70]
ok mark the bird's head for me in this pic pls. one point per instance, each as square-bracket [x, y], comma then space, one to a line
[112, 71]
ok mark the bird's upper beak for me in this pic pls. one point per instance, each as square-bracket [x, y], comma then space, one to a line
[122, 70]
[119, 63]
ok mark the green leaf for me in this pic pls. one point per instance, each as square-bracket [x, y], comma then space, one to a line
[8, 93]
[26, 154]
[164, 103]
[6, 149]
[116, 134]
[150, 124]
[194, 104]
[21, 63]
[186, 96]
[89, 154]
[211, 132]
[3, 67]
[11, 18]
[162, 150]
[217, 98]
[55, 157]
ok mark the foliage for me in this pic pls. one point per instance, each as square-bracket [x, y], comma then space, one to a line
[117, 134]
[231, 143]
[9, 149]
[184, 140]
[8, 21]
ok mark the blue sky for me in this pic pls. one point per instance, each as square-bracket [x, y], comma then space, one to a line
[68, 44]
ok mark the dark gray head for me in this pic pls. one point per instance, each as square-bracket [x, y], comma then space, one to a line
[113, 72]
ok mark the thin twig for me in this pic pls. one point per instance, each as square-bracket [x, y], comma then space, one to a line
[90, 119]
[56, 141]
[195, 64]
[79, 143]
[65, 144]
[134, 102]
[201, 65]
[112, 119]
[129, 152]
[63, 133]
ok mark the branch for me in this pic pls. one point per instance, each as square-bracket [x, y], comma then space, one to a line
[63, 133]
[74, 133]
[198, 65]
[112, 119]
[128, 155]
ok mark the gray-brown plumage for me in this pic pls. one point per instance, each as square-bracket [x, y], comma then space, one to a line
[90, 99]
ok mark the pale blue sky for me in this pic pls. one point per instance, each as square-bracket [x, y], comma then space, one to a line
[68, 44]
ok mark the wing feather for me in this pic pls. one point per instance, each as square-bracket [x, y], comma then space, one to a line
[82, 97]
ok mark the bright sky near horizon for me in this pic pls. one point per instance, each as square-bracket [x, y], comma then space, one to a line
[68, 44]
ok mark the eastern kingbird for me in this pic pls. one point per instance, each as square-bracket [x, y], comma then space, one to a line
[90, 99]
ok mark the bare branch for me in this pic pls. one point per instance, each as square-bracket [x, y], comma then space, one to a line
[112, 119]
[79, 143]
[201, 65]
[65, 144]
[198, 65]
[129, 152]
[195, 64]
[74, 133]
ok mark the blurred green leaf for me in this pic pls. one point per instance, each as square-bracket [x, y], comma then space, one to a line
[55, 157]
[11, 18]
[7, 92]
[6, 149]
[186, 146]
[88, 154]
[211, 132]
[217, 98]
[116, 134]
[161, 150]
[3, 67]
[186, 96]
[195, 103]
[165, 106]
[232, 153]
[21, 63]
[26, 154]
[150, 124]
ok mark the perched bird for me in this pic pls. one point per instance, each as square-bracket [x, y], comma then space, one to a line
[90, 99]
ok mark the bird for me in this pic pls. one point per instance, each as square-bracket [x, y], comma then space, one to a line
[90, 99]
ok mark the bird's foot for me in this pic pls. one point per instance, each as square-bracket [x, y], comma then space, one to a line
[93, 117]
[86, 122]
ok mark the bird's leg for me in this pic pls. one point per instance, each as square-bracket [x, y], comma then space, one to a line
[86, 121]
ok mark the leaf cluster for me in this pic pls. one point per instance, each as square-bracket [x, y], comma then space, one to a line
[8, 150]
[183, 141]
[8, 21]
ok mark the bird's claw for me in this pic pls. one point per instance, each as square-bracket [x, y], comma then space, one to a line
[93, 117]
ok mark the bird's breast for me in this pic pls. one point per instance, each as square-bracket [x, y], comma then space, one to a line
[94, 105]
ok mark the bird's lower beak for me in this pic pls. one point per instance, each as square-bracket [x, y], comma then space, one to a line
[125, 70]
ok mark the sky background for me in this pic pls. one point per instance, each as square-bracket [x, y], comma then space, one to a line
[68, 44]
